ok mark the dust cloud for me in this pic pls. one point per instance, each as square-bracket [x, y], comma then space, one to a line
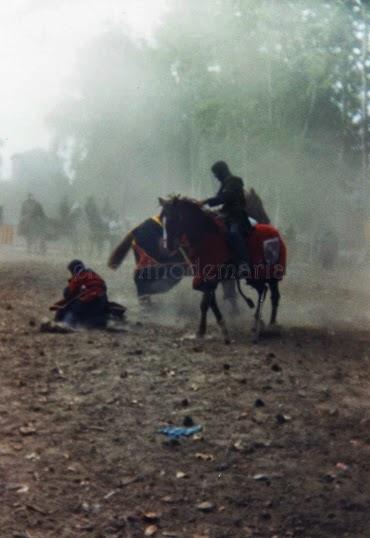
[149, 99]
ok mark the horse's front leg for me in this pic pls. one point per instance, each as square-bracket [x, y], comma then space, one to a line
[204, 305]
[275, 299]
[219, 317]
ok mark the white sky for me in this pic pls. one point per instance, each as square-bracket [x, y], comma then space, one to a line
[39, 44]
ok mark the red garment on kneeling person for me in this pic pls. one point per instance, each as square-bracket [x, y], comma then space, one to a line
[86, 285]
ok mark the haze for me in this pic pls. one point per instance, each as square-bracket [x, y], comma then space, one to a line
[128, 101]
[39, 45]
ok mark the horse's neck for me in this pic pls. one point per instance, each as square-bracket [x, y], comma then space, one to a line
[201, 225]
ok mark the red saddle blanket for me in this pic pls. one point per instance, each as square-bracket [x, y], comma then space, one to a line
[211, 258]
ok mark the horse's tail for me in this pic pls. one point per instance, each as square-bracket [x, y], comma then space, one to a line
[121, 250]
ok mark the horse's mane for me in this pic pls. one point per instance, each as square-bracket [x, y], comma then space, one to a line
[207, 217]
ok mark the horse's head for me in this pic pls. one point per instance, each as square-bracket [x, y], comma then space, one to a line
[183, 217]
[173, 222]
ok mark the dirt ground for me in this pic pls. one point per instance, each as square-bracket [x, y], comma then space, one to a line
[285, 446]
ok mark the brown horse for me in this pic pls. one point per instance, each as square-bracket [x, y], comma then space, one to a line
[204, 234]
[154, 266]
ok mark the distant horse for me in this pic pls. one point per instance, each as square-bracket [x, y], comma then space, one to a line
[98, 229]
[97, 236]
[84, 236]
[156, 271]
[76, 230]
[205, 235]
[33, 226]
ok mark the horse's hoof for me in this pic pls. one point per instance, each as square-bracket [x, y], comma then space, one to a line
[198, 344]
[275, 329]
[260, 325]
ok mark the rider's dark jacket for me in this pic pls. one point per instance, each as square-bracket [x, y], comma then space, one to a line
[232, 198]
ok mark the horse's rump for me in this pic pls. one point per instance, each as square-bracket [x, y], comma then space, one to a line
[212, 258]
[32, 226]
[267, 252]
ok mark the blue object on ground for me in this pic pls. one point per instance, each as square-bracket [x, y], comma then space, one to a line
[176, 432]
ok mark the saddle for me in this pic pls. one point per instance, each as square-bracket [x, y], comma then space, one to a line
[266, 248]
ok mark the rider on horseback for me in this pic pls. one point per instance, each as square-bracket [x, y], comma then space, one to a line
[32, 224]
[32, 208]
[232, 198]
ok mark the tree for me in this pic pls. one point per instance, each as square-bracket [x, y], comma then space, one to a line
[272, 87]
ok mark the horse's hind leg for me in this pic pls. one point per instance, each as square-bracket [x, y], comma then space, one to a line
[219, 317]
[257, 318]
[275, 299]
[229, 290]
[204, 305]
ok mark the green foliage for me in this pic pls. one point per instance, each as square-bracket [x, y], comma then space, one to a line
[273, 87]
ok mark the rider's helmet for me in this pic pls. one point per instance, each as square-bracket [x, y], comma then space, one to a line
[220, 170]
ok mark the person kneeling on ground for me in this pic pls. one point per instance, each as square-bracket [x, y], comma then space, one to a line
[85, 298]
